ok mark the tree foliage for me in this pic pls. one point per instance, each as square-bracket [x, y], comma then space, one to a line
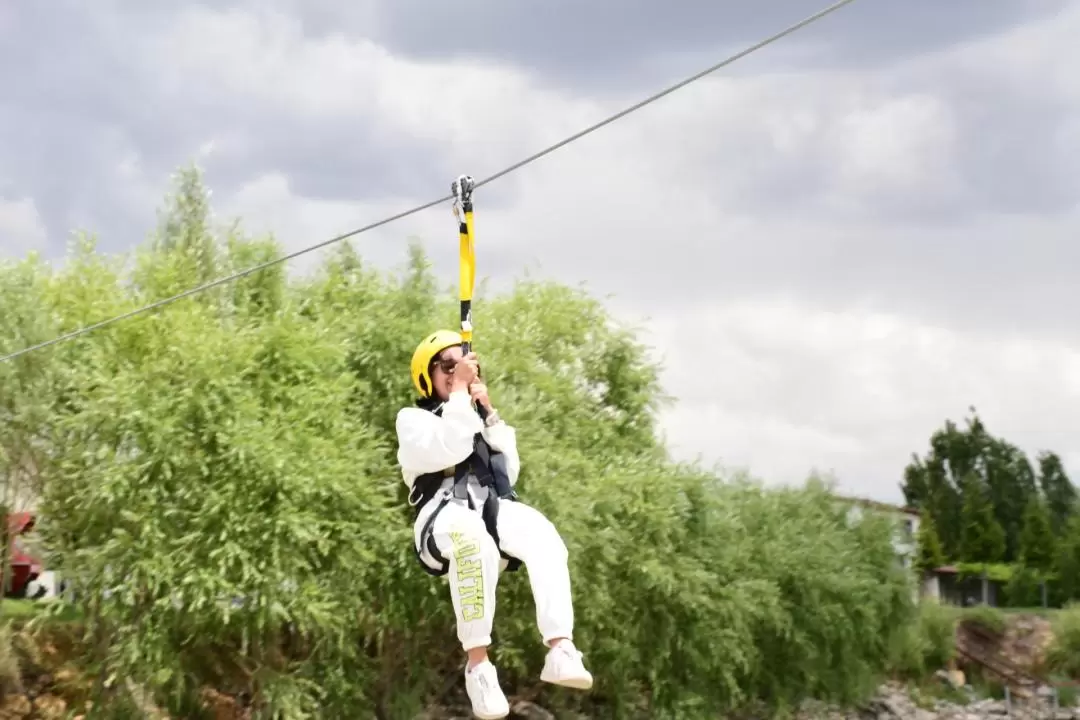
[928, 553]
[978, 489]
[218, 481]
[1060, 493]
[982, 539]
[1037, 542]
[1068, 559]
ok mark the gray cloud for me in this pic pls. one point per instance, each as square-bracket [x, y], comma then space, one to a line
[616, 43]
[84, 87]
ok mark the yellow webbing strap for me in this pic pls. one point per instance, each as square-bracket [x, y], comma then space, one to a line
[463, 211]
[466, 274]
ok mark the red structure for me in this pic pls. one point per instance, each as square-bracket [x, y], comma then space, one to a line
[24, 567]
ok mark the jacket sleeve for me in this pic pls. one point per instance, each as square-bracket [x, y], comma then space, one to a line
[503, 437]
[429, 443]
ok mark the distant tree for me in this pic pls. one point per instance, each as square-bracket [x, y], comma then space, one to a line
[1068, 560]
[1011, 483]
[929, 554]
[1006, 481]
[982, 539]
[1037, 541]
[1060, 493]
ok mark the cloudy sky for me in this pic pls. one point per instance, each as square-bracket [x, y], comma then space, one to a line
[866, 227]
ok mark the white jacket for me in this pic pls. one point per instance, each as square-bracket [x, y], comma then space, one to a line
[430, 443]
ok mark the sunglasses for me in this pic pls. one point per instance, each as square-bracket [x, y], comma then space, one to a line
[447, 365]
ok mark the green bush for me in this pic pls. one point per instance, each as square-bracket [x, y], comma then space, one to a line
[988, 618]
[222, 489]
[927, 644]
[1063, 655]
[997, 572]
[1024, 589]
[985, 683]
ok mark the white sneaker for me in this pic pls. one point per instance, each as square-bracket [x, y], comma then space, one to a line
[563, 666]
[482, 685]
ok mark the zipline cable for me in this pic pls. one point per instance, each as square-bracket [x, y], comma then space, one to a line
[677, 86]
[516, 166]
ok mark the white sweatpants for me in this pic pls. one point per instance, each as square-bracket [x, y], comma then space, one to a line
[475, 563]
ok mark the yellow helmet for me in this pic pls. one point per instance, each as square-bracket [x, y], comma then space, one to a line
[428, 348]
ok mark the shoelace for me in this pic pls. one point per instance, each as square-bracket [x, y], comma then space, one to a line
[570, 651]
[481, 679]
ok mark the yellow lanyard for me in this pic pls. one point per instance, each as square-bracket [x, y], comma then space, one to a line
[463, 211]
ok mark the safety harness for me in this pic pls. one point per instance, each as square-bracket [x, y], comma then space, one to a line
[486, 465]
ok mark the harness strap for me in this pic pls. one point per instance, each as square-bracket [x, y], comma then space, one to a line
[491, 476]
[427, 540]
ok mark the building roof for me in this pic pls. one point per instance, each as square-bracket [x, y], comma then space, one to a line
[20, 522]
[878, 505]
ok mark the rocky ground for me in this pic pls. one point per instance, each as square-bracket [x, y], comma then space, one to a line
[895, 702]
[892, 702]
[519, 710]
[47, 680]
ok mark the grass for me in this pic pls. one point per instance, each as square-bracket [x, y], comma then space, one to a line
[986, 617]
[986, 686]
[1067, 694]
[927, 691]
[10, 670]
[21, 611]
[995, 618]
[1048, 613]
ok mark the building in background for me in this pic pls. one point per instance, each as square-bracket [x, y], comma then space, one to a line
[906, 520]
[906, 524]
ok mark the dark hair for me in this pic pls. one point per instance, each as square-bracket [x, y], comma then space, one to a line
[430, 404]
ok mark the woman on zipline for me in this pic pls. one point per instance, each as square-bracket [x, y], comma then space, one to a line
[460, 463]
